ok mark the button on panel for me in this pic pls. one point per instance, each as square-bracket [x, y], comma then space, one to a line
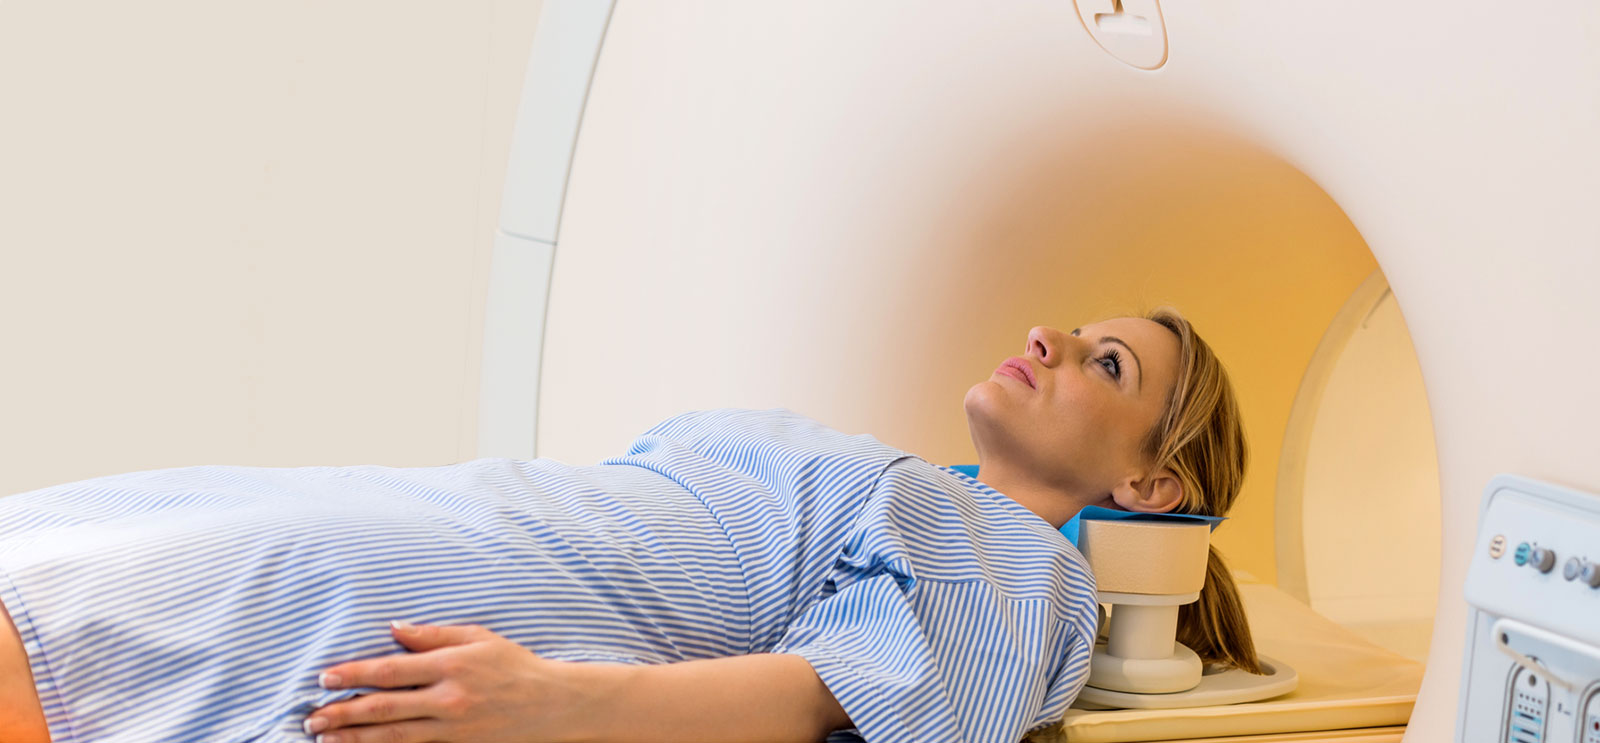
[1542, 559]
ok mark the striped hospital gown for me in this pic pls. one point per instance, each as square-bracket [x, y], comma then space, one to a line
[200, 603]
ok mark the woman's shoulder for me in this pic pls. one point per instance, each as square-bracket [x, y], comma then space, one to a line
[960, 529]
[780, 448]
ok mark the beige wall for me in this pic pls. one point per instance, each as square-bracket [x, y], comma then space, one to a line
[247, 234]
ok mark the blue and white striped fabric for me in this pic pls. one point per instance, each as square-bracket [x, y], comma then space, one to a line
[200, 603]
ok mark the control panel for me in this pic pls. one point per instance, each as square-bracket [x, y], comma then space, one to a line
[1532, 667]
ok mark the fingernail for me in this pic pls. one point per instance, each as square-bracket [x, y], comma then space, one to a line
[329, 738]
[405, 627]
[329, 681]
[315, 725]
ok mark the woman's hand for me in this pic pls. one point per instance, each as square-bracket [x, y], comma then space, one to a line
[461, 683]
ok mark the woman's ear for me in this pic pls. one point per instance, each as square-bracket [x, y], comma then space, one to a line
[1161, 492]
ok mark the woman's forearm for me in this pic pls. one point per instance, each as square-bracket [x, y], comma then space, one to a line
[766, 697]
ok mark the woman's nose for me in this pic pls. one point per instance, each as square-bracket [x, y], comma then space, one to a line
[1045, 344]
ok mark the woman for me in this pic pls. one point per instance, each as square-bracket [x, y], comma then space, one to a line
[736, 576]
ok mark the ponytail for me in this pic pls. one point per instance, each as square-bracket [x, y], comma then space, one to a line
[1201, 439]
[1215, 627]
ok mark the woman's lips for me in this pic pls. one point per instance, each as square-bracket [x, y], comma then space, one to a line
[1018, 368]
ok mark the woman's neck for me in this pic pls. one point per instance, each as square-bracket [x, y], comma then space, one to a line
[1054, 504]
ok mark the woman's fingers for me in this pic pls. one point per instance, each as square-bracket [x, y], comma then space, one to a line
[372, 709]
[472, 685]
[388, 672]
[421, 637]
[408, 731]
[416, 669]
[448, 678]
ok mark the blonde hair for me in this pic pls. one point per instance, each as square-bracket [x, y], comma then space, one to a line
[1200, 437]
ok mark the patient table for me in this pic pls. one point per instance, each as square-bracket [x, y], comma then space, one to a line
[1350, 690]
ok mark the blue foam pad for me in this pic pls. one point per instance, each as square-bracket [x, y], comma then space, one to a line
[1096, 513]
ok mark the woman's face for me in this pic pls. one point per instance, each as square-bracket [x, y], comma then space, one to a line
[1073, 409]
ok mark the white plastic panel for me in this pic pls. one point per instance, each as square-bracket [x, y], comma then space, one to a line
[559, 69]
[513, 341]
[1533, 652]
[1565, 521]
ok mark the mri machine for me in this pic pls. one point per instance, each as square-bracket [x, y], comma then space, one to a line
[855, 209]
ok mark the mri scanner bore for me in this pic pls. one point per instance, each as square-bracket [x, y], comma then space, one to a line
[945, 172]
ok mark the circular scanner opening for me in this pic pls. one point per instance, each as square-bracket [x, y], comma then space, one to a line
[1340, 506]
[875, 267]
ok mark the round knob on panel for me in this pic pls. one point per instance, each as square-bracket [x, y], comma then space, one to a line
[1542, 559]
[1591, 574]
[1571, 570]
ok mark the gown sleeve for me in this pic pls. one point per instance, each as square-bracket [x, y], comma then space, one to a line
[948, 618]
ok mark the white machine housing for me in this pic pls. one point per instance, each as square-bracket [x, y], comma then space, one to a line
[851, 208]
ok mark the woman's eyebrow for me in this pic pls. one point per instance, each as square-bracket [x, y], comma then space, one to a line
[1136, 361]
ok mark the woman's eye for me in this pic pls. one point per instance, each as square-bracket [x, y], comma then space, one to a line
[1112, 364]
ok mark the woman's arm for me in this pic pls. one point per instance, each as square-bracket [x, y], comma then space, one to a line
[740, 699]
[469, 684]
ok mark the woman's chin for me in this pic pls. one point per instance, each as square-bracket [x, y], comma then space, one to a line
[984, 400]
[978, 396]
